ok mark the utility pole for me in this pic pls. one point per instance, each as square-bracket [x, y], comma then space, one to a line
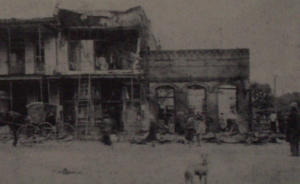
[221, 37]
[275, 85]
[275, 91]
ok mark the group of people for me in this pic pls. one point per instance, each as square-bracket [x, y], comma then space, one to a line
[276, 121]
[197, 125]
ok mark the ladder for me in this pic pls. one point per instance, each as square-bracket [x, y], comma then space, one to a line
[84, 107]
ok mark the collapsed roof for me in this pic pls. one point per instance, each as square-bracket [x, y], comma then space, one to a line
[134, 17]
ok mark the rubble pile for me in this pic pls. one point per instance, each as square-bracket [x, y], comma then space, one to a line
[248, 138]
[5, 134]
[257, 137]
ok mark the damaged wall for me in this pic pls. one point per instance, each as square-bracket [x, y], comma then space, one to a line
[55, 36]
[208, 69]
[210, 101]
[130, 118]
[187, 65]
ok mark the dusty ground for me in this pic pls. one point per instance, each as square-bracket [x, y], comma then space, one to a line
[93, 162]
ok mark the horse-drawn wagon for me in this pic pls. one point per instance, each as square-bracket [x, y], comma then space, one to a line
[43, 122]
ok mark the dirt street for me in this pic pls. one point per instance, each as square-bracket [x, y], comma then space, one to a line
[92, 162]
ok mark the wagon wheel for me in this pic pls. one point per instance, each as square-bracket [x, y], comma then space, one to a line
[67, 132]
[69, 129]
[26, 133]
[46, 131]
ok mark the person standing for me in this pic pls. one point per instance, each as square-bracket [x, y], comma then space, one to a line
[273, 120]
[281, 122]
[293, 129]
[222, 122]
[190, 129]
[200, 127]
[232, 125]
[108, 124]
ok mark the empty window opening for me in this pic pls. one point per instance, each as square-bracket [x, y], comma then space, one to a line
[17, 56]
[166, 100]
[74, 55]
[113, 50]
[196, 98]
[39, 55]
[227, 100]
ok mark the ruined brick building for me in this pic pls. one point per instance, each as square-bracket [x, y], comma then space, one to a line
[93, 63]
[211, 82]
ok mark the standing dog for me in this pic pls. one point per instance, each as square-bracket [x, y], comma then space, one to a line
[198, 169]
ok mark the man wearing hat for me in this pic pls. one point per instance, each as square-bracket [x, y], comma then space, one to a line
[293, 129]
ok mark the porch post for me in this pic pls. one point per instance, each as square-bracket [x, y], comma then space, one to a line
[8, 46]
[48, 89]
[131, 89]
[39, 56]
[41, 90]
[10, 95]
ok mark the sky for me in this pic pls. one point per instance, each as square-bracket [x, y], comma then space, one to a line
[269, 28]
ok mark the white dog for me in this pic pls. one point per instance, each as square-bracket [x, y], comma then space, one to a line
[197, 169]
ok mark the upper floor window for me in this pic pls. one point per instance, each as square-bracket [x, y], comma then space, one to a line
[39, 55]
[74, 55]
[17, 56]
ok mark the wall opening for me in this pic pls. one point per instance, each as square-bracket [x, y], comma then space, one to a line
[227, 100]
[196, 99]
[112, 50]
[165, 96]
[39, 56]
[17, 56]
[74, 55]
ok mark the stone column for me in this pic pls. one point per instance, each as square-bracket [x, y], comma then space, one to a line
[243, 103]
[212, 108]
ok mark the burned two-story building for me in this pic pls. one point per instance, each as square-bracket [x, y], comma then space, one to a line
[94, 63]
[88, 62]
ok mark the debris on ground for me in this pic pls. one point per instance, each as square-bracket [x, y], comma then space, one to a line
[65, 138]
[249, 138]
[165, 138]
[263, 137]
[181, 139]
[114, 138]
[209, 137]
[5, 134]
[66, 171]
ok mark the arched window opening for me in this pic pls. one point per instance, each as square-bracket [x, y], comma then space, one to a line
[196, 96]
